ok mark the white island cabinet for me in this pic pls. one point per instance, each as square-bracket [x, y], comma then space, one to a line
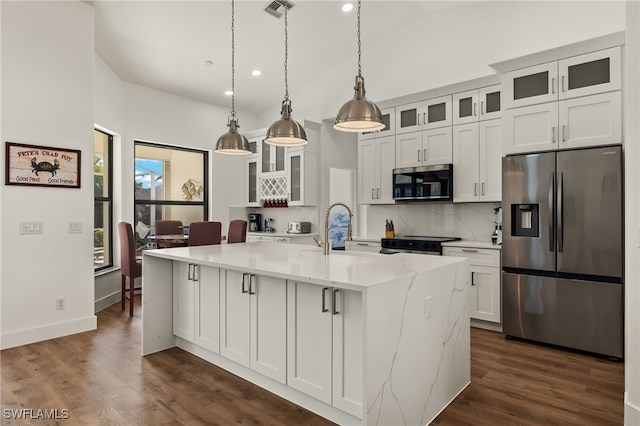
[358, 338]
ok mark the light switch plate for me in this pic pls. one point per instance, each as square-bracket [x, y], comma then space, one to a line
[29, 228]
[75, 227]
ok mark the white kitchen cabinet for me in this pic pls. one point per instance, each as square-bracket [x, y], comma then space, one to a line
[424, 115]
[253, 322]
[572, 123]
[484, 282]
[251, 165]
[477, 168]
[582, 75]
[389, 121]
[477, 105]
[302, 172]
[269, 239]
[273, 158]
[324, 344]
[207, 307]
[376, 161]
[366, 246]
[184, 277]
[429, 147]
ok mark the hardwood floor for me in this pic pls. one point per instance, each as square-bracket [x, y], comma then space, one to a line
[100, 378]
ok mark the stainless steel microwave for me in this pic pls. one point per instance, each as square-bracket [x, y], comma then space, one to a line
[426, 183]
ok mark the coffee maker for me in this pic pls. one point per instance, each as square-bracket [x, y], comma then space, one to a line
[255, 222]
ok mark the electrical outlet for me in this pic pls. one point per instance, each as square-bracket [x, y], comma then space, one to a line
[427, 308]
[60, 304]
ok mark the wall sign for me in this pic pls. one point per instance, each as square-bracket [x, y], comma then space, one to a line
[42, 166]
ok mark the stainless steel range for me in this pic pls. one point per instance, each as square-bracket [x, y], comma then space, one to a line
[415, 244]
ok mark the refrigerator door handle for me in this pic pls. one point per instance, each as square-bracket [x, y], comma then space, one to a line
[552, 185]
[560, 212]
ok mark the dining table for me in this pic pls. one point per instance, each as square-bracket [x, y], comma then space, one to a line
[173, 240]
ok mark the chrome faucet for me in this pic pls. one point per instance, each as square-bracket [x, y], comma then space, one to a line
[326, 227]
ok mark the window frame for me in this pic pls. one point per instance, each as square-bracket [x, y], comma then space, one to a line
[205, 173]
[109, 200]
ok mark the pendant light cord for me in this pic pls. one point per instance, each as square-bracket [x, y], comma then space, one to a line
[359, 45]
[233, 55]
[286, 51]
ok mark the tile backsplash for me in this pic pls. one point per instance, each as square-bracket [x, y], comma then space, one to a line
[469, 221]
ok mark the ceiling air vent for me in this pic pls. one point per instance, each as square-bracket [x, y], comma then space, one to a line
[276, 8]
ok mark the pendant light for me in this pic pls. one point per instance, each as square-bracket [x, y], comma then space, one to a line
[232, 142]
[286, 131]
[359, 114]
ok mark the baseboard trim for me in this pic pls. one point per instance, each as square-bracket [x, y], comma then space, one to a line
[107, 301]
[51, 331]
[631, 413]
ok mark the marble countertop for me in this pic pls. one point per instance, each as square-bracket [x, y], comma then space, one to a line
[280, 234]
[349, 270]
[366, 240]
[473, 244]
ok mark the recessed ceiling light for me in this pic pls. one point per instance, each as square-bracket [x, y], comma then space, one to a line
[228, 92]
[208, 63]
[347, 7]
[256, 73]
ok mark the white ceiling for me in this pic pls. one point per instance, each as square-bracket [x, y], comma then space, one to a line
[163, 44]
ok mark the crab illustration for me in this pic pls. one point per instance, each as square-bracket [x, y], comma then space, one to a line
[44, 166]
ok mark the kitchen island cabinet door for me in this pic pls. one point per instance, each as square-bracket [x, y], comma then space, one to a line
[347, 351]
[234, 317]
[184, 276]
[207, 304]
[485, 293]
[268, 326]
[309, 339]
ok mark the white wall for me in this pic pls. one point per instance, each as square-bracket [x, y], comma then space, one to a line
[632, 215]
[47, 99]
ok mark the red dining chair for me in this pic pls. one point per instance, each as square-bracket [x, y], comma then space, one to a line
[168, 227]
[205, 233]
[130, 266]
[237, 231]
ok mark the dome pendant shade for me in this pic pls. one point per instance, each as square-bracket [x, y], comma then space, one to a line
[286, 131]
[232, 142]
[359, 114]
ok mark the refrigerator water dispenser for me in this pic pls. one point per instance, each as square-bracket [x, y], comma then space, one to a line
[525, 220]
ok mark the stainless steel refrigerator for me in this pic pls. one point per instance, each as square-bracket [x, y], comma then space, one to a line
[562, 251]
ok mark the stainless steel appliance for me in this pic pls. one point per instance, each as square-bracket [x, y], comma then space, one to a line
[255, 222]
[427, 183]
[414, 244]
[562, 249]
[299, 227]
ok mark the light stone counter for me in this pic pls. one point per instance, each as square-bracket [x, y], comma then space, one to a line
[409, 356]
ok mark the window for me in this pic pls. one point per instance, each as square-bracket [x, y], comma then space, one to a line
[103, 200]
[170, 183]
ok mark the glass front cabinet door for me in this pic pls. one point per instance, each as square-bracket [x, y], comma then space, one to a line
[389, 120]
[477, 105]
[273, 158]
[251, 174]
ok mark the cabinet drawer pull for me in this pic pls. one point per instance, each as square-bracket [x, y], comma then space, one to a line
[418, 156]
[195, 269]
[562, 83]
[564, 133]
[251, 289]
[418, 118]
[333, 301]
[244, 290]
[553, 85]
[470, 250]
[362, 244]
[324, 300]
[424, 154]
[481, 107]
[474, 109]
[553, 134]
[378, 192]
[472, 277]
[482, 188]
[372, 196]
[189, 271]
[475, 188]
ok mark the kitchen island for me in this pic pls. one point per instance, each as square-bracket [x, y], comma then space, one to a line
[357, 338]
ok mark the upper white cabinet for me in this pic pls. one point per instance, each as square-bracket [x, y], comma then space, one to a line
[302, 173]
[424, 148]
[389, 120]
[251, 165]
[477, 168]
[429, 114]
[476, 105]
[582, 75]
[273, 158]
[376, 161]
[571, 123]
